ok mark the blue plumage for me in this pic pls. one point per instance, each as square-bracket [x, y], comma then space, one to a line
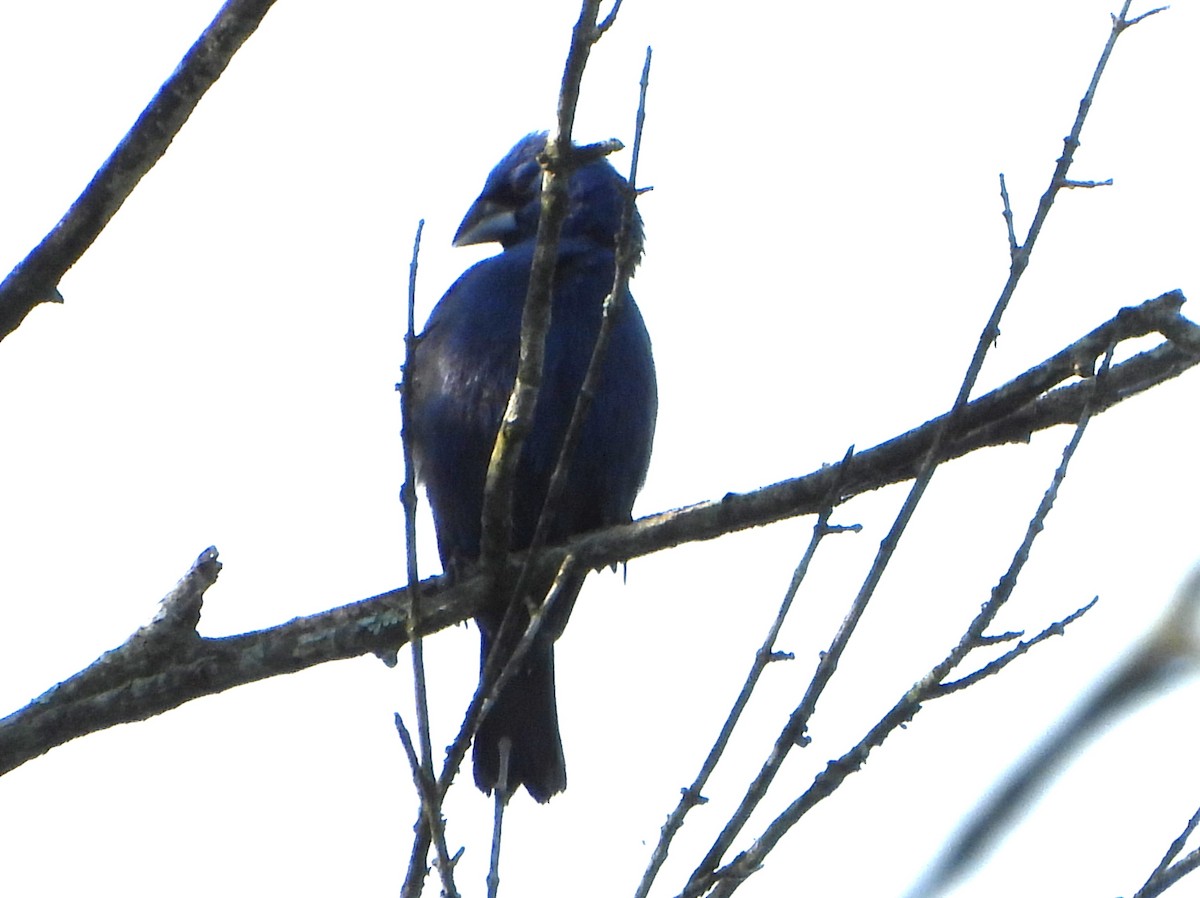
[461, 375]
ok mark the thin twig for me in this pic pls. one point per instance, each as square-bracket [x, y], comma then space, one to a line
[627, 256]
[626, 259]
[1008, 218]
[693, 795]
[1107, 182]
[429, 797]
[535, 319]
[427, 790]
[410, 751]
[500, 802]
[497, 672]
[408, 496]
[608, 22]
[726, 880]
[500, 481]
[1160, 873]
[1059, 180]
[793, 732]
[409, 501]
[499, 485]
[1058, 628]
[1124, 23]
[1189, 864]
[993, 816]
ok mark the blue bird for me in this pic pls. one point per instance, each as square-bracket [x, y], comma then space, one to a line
[462, 371]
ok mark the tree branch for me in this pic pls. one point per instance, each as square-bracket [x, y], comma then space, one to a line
[140, 679]
[35, 279]
[559, 160]
[725, 881]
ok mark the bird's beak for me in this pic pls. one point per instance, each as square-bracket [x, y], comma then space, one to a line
[486, 222]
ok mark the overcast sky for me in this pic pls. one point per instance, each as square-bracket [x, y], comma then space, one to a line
[824, 244]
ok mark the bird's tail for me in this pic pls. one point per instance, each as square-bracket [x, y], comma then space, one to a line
[525, 713]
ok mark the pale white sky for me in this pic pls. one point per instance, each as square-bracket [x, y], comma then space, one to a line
[824, 245]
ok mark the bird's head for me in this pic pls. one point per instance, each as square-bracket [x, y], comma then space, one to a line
[509, 206]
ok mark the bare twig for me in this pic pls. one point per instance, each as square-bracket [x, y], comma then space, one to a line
[496, 673]
[1171, 875]
[627, 255]
[1058, 628]
[1166, 874]
[535, 320]
[1059, 180]
[726, 880]
[499, 670]
[500, 802]
[409, 501]
[793, 732]
[608, 22]
[427, 790]
[1122, 23]
[35, 279]
[179, 612]
[1008, 218]
[410, 751]
[496, 524]
[430, 798]
[693, 794]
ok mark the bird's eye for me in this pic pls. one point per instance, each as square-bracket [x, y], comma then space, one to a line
[527, 179]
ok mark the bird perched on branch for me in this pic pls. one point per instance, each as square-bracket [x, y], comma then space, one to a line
[461, 375]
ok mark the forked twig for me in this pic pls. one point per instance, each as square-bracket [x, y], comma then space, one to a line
[693, 795]
[793, 732]
[1166, 874]
[724, 881]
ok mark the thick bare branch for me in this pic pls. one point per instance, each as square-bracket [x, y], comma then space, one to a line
[135, 682]
[35, 279]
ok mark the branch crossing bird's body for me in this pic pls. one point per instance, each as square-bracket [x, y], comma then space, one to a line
[461, 374]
